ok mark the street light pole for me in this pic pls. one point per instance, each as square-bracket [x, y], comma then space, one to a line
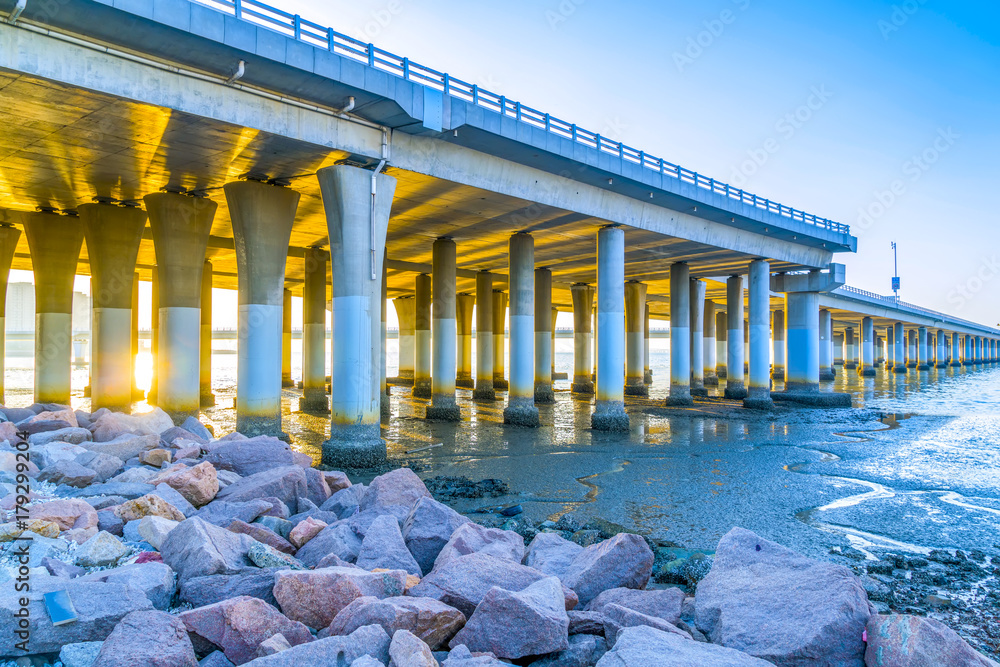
[895, 269]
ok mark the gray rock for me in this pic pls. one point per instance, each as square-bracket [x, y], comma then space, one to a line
[624, 561]
[618, 618]
[127, 491]
[583, 651]
[192, 425]
[45, 455]
[399, 487]
[104, 466]
[276, 644]
[156, 580]
[130, 531]
[251, 456]
[770, 602]
[664, 604]
[101, 550]
[317, 490]
[408, 650]
[72, 435]
[139, 474]
[265, 556]
[69, 473]
[427, 528]
[202, 591]
[149, 638]
[551, 553]
[473, 538]
[196, 548]
[460, 656]
[18, 414]
[370, 640]
[220, 512]
[227, 477]
[914, 641]
[262, 534]
[282, 527]
[586, 623]
[316, 597]
[336, 539]
[383, 547]
[172, 496]
[643, 646]
[513, 625]
[216, 659]
[345, 502]
[286, 484]
[58, 568]
[79, 654]
[433, 622]
[175, 433]
[368, 661]
[154, 529]
[125, 446]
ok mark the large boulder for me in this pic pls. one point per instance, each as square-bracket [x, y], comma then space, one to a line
[551, 553]
[770, 602]
[70, 436]
[400, 487]
[408, 650]
[345, 502]
[624, 561]
[432, 621]
[251, 456]
[148, 505]
[201, 591]
[316, 597]
[101, 550]
[513, 625]
[111, 425]
[616, 619]
[583, 651]
[427, 528]
[262, 534]
[643, 646]
[154, 530]
[54, 451]
[664, 604]
[105, 466]
[197, 548]
[220, 512]
[80, 654]
[914, 641]
[287, 484]
[69, 473]
[370, 640]
[125, 447]
[337, 539]
[67, 513]
[152, 638]
[155, 579]
[198, 484]
[383, 547]
[239, 625]
[473, 538]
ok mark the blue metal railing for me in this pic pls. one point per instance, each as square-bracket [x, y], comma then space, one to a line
[306, 31]
[903, 305]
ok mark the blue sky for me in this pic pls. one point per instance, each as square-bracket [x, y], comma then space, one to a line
[834, 99]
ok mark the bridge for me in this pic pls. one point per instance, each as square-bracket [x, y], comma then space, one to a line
[234, 145]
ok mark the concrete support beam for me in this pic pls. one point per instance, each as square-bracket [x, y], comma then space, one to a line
[850, 340]
[956, 351]
[543, 337]
[647, 372]
[680, 335]
[405, 315]
[802, 370]
[890, 347]
[735, 388]
[499, 329]
[180, 226]
[357, 204]
[205, 395]
[464, 308]
[923, 361]
[609, 409]
[422, 337]
[484, 337]
[154, 299]
[521, 410]
[385, 405]
[826, 345]
[697, 320]
[746, 347]
[710, 346]
[583, 339]
[778, 343]
[867, 368]
[838, 350]
[899, 355]
[262, 217]
[133, 336]
[8, 243]
[314, 300]
[444, 333]
[635, 339]
[942, 349]
[721, 344]
[911, 348]
[554, 314]
[759, 390]
[113, 235]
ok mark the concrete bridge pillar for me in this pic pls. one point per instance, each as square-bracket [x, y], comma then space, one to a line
[583, 339]
[609, 408]
[484, 337]
[54, 243]
[154, 298]
[922, 363]
[710, 349]
[746, 347]
[464, 305]
[911, 348]
[499, 331]
[555, 316]
[444, 333]
[635, 348]
[899, 354]
[967, 354]
[735, 388]
[826, 346]
[759, 322]
[133, 337]
[979, 349]
[802, 363]
[698, 289]
[942, 349]
[9, 236]
[113, 234]
[205, 395]
[357, 205]
[647, 372]
[385, 405]
[314, 332]
[521, 410]
[956, 351]
[852, 349]
[778, 345]
[543, 336]
[867, 348]
[405, 314]
[262, 217]
[680, 335]
[838, 350]
[721, 344]
[890, 347]
[422, 337]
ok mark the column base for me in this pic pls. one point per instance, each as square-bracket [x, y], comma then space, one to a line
[484, 391]
[711, 380]
[421, 389]
[735, 391]
[400, 381]
[699, 391]
[314, 405]
[86, 391]
[867, 372]
[286, 383]
[521, 412]
[758, 399]
[899, 369]
[721, 372]
[825, 375]
[850, 365]
[465, 382]
[207, 400]
[923, 367]
[254, 426]
[680, 396]
[354, 447]
[647, 377]
[609, 416]
[560, 376]
[543, 393]
[911, 364]
[384, 409]
[443, 413]
[500, 384]
[635, 387]
[941, 365]
[778, 374]
[813, 398]
[582, 384]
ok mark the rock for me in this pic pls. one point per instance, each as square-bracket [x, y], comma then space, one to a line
[251, 456]
[197, 548]
[66, 513]
[427, 528]
[43, 426]
[152, 638]
[104, 466]
[408, 650]
[148, 557]
[586, 623]
[333, 560]
[198, 484]
[99, 606]
[282, 527]
[179, 502]
[264, 556]
[148, 505]
[286, 484]
[664, 604]
[336, 539]
[460, 656]
[345, 503]
[217, 659]
[397, 487]
[432, 621]
[70, 436]
[113, 488]
[179, 433]
[80, 654]
[196, 428]
[914, 641]
[618, 618]
[227, 477]
[16, 415]
[154, 529]
[111, 425]
[464, 582]
[220, 513]
[367, 661]
[316, 488]
[305, 530]
[239, 625]
[472, 538]
[276, 644]
[192, 452]
[124, 446]
[155, 457]
[335, 481]
[316, 597]
[155, 579]
[58, 568]
[370, 640]
[45, 528]
[551, 554]
[201, 591]
[137, 475]
[64, 413]
[644, 646]
[262, 534]
[130, 532]
[53, 452]
[624, 561]
[101, 550]
[513, 625]
[583, 651]
[770, 602]
[383, 547]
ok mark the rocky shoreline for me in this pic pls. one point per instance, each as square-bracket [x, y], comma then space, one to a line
[177, 547]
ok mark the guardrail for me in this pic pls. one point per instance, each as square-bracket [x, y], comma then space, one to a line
[293, 25]
[903, 305]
